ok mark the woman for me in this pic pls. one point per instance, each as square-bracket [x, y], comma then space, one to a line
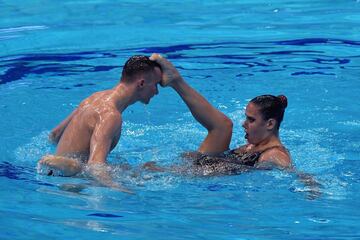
[263, 118]
[264, 149]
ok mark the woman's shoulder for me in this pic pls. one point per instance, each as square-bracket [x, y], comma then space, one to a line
[278, 155]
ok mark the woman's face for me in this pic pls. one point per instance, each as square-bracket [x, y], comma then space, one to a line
[256, 128]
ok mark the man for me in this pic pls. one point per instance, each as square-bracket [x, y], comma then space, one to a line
[91, 131]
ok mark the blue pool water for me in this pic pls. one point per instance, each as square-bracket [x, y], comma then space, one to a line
[53, 54]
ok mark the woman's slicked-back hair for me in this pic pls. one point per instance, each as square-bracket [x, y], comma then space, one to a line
[271, 107]
[138, 64]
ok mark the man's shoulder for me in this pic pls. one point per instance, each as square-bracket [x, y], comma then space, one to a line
[109, 121]
[111, 114]
[94, 96]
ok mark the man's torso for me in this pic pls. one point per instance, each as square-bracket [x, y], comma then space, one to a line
[76, 138]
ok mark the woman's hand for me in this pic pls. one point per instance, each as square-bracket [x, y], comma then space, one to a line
[169, 73]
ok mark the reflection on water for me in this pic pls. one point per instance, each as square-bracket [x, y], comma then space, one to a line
[301, 57]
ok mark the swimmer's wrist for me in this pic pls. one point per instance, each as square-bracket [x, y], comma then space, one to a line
[176, 81]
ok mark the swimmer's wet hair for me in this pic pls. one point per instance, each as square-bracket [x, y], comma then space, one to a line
[271, 107]
[138, 64]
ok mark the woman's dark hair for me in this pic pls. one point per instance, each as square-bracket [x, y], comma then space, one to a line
[271, 107]
[138, 64]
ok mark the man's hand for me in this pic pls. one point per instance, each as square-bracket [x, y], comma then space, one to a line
[170, 73]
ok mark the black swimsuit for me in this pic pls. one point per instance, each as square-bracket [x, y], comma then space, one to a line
[231, 161]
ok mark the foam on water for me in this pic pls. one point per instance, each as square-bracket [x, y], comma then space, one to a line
[34, 150]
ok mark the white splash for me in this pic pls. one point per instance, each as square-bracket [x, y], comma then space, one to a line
[34, 150]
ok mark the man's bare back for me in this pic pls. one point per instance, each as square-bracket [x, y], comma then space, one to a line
[91, 131]
[76, 136]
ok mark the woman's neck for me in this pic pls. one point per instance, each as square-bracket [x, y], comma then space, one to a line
[272, 140]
